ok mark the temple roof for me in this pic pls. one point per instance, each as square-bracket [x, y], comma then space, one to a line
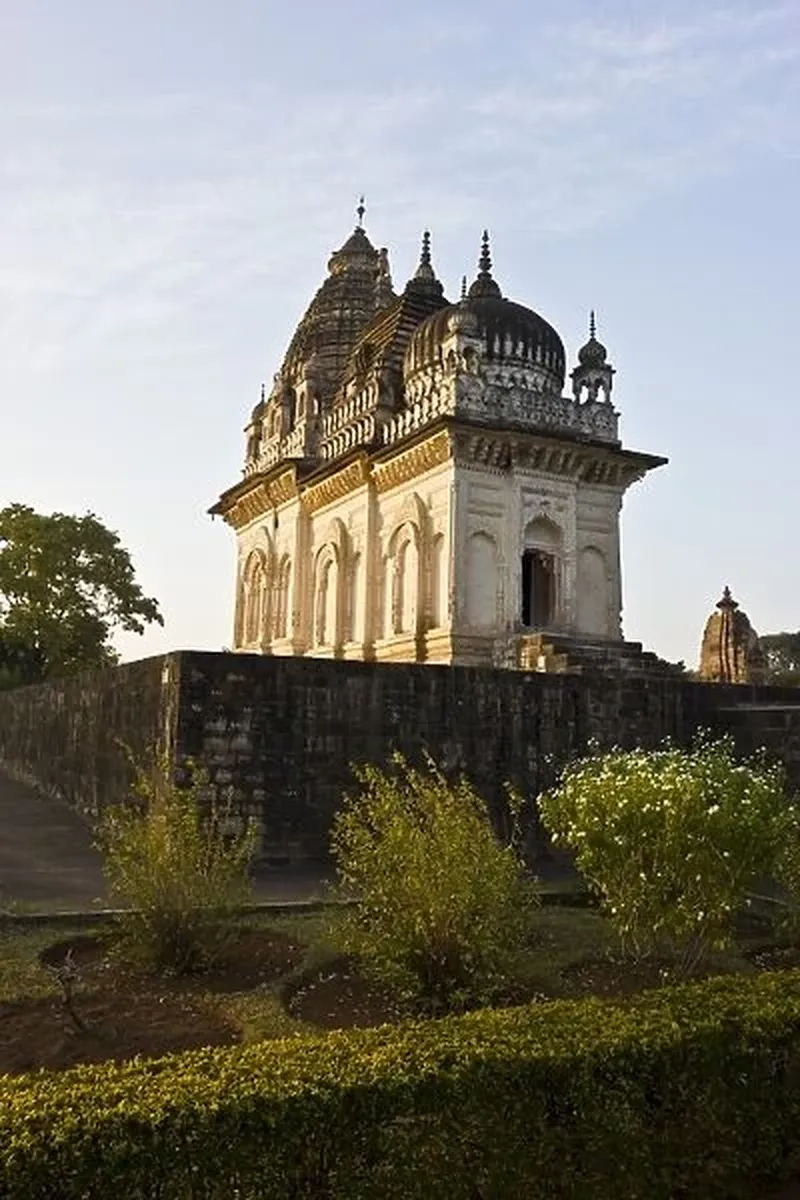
[341, 308]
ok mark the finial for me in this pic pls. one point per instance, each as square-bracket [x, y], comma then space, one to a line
[425, 256]
[727, 600]
[485, 260]
[463, 287]
[360, 212]
[484, 285]
[592, 327]
[263, 392]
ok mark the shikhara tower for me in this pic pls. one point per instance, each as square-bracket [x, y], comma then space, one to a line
[418, 487]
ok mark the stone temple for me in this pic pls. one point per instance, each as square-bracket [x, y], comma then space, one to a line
[419, 486]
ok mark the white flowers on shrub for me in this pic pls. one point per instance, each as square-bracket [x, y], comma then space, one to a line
[671, 840]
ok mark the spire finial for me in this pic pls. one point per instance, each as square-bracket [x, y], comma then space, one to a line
[592, 326]
[360, 212]
[425, 255]
[485, 260]
[463, 287]
[484, 285]
[727, 600]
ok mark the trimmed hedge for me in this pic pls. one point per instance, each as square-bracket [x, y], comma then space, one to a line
[691, 1091]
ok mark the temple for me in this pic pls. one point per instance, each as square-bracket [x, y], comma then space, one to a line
[730, 650]
[420, 485]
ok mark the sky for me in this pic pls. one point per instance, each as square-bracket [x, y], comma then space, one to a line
[175, 173]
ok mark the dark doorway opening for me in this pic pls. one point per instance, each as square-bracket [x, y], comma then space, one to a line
[538, 589]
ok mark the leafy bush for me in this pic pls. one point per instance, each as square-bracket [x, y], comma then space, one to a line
[178, 860]
[672, 840]
[788, 875]
[689, 1091]
[443, 905]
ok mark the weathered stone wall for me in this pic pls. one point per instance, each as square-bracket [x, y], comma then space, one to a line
[283, 732]
[65, 736]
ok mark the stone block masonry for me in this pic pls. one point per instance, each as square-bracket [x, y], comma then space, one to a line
[284, 732]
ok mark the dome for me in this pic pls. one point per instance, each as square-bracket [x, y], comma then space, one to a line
[340, 310]
[594, 353]
[510, 332]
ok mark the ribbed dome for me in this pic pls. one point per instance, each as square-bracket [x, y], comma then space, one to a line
[510, 332]
[341, 309]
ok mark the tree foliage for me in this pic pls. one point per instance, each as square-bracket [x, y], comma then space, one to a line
[443, 906]
[66, 585]
[782, 652]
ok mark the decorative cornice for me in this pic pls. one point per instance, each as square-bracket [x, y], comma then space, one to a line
[413, 462]
[264, 495]
[335, 487]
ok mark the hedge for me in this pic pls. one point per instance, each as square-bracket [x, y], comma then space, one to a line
[690, 1091]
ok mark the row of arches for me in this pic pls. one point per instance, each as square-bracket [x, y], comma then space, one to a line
[411, 592]
[262, 609]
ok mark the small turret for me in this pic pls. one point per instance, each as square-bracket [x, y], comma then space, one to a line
[593, 378]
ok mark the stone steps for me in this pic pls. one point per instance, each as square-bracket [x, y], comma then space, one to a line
[560, 653]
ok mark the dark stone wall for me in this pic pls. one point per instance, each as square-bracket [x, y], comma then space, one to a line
[64, 736]
[284, 732]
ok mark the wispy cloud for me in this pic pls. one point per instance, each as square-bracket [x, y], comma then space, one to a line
[126, 216]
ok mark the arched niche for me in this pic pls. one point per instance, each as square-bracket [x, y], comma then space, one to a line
[481, 580]
[593, 592]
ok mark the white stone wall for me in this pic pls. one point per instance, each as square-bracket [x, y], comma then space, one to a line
[430, 568]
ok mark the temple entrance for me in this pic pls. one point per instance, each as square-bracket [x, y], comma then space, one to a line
[538, 589]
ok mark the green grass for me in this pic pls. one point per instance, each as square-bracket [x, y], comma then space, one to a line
[560, 936]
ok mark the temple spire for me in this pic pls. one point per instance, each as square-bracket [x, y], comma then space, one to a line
[485, 260]
[424, 277]
[592, 326]
[484, 284]
[360, 213]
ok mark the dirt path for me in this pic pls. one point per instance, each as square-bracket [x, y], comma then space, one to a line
[47, 858]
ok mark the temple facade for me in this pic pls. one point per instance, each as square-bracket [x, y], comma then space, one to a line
[418, 483]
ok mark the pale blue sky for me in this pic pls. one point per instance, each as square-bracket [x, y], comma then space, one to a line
[174, 175]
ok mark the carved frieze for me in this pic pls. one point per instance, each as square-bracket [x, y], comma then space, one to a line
[411, 463]
[337, 486]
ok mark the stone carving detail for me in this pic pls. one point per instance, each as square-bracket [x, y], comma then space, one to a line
[403, 454]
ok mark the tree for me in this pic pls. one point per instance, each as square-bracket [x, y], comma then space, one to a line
[66, 585]
[782, 652]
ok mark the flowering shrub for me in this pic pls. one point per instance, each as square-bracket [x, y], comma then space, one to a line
[788, 875]
[672, 840]
[443, 906]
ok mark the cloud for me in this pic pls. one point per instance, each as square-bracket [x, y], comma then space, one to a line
[131, 216]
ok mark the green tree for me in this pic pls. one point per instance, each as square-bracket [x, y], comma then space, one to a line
[66, 585]
[782, 652]
[443, 907]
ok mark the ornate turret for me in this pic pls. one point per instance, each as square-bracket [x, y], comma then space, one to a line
[509, 334]
[730, 651]
[593, 377]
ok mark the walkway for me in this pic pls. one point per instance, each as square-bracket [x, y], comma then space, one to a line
[47, 859]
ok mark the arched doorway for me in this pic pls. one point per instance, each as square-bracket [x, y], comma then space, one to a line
[541, 557]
